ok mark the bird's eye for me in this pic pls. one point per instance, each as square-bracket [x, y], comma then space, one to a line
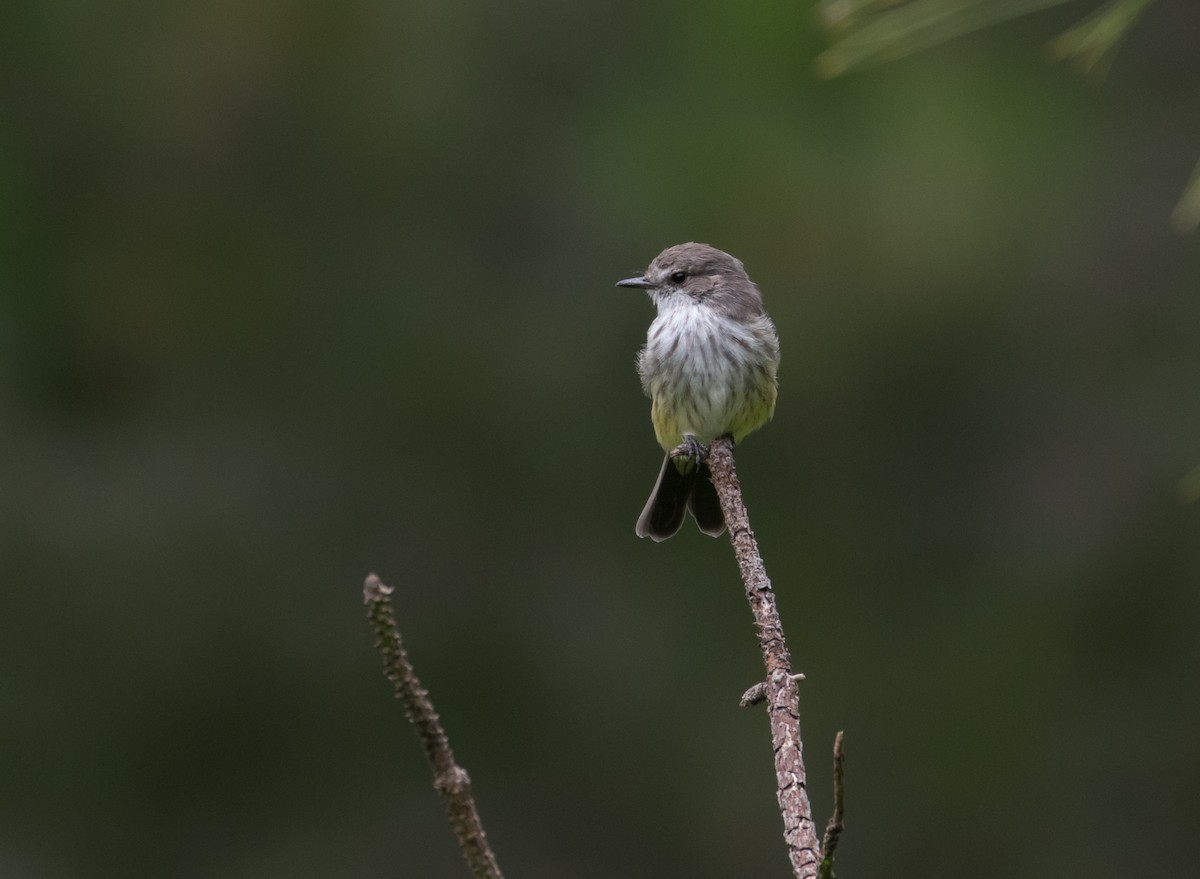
[678, 277]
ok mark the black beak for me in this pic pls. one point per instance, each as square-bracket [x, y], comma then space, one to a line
[640, 283]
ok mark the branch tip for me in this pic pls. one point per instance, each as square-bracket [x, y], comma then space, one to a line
[375, 589]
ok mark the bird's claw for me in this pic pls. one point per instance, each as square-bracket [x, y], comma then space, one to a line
[691, 448]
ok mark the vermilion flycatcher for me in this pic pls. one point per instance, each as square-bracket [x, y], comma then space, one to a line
[709, 368]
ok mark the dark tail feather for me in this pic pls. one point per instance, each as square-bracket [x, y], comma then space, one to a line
[664, 511]
[705, 505]
[673, 495]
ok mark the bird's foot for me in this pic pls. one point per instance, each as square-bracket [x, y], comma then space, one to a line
[691, 448]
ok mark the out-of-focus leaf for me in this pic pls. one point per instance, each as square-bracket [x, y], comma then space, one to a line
[875, 31]
[1186, 215]
[868, 32]
[1092, 43]
[1188, 488]
[841, 15]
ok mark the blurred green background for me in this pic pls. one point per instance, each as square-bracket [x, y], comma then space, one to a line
[290, 292]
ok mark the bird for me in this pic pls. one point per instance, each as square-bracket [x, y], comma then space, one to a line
[710, 368]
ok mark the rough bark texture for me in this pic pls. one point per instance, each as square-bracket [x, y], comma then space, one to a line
[799, 830]
[449, 779]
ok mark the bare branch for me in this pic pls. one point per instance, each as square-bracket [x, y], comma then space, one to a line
[782, 697]
[833, 830]
[449, 779]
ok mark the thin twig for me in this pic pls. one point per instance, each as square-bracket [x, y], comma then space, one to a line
[833, 830]
[756, 695]
[449, 779]
[782, 697]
